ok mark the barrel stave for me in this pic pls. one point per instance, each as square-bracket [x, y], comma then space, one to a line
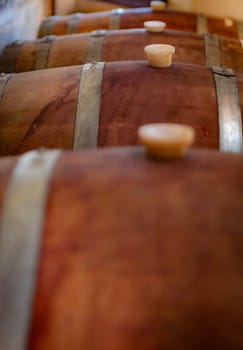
[239, 80]
[58, 26]
[121, 45]
[174, 19]
[218, 25]
[36, 112]
[170, 97]
[132, 94]
[130, 43]
[134, 18]
[68, 51]
[26, 57]
[94, 22]
[6, 168]
[177, 237]
[231, 53]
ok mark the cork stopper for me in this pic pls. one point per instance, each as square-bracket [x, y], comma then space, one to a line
[157, 5]
[154, 26]
[159, 55]
[166, 140]
[228, 22]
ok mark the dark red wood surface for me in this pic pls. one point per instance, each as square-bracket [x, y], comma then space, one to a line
[140, 254]
[120, 45]
[134, 18]
[38, 108]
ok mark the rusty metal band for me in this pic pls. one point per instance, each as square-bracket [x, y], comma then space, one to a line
[95, 46]
[240, 29]
[46, 27]
[88, 109]
[115, 19]
[4, 78]
[73, 23]
[212, 50]
[9, 57]
[202, 24]
[229, 110]
[43, 51]
[20, 236]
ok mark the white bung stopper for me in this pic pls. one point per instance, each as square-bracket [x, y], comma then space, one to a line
[157, 5]
[159, 55]
[166, 140]
[154, 26]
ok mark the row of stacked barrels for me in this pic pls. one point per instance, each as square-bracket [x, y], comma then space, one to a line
[148, 254]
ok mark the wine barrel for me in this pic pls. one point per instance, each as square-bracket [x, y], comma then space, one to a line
[102, 104]
[134, 18]
[119, 45]
[104, 5]
[129, 3]
[117, 251]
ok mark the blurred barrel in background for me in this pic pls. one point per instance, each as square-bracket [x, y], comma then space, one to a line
[129, 3]
[119, 45]
[103, 104]
[134, 18]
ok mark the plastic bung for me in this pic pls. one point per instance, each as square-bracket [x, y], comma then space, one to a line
[159, 55]
[154, 26]
[157, 5]
[166, 140]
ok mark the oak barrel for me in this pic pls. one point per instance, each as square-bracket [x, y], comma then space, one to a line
[134, 253]
[134, 18]
[129, 3]
[103, 104]
[104, 5]
[119, 45]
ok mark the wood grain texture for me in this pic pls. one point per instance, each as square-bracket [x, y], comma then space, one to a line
[146, 255]
[174, 100]
[217, 25]
[38, 108]
[134, 18]
[38, 111]
[122, 45]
